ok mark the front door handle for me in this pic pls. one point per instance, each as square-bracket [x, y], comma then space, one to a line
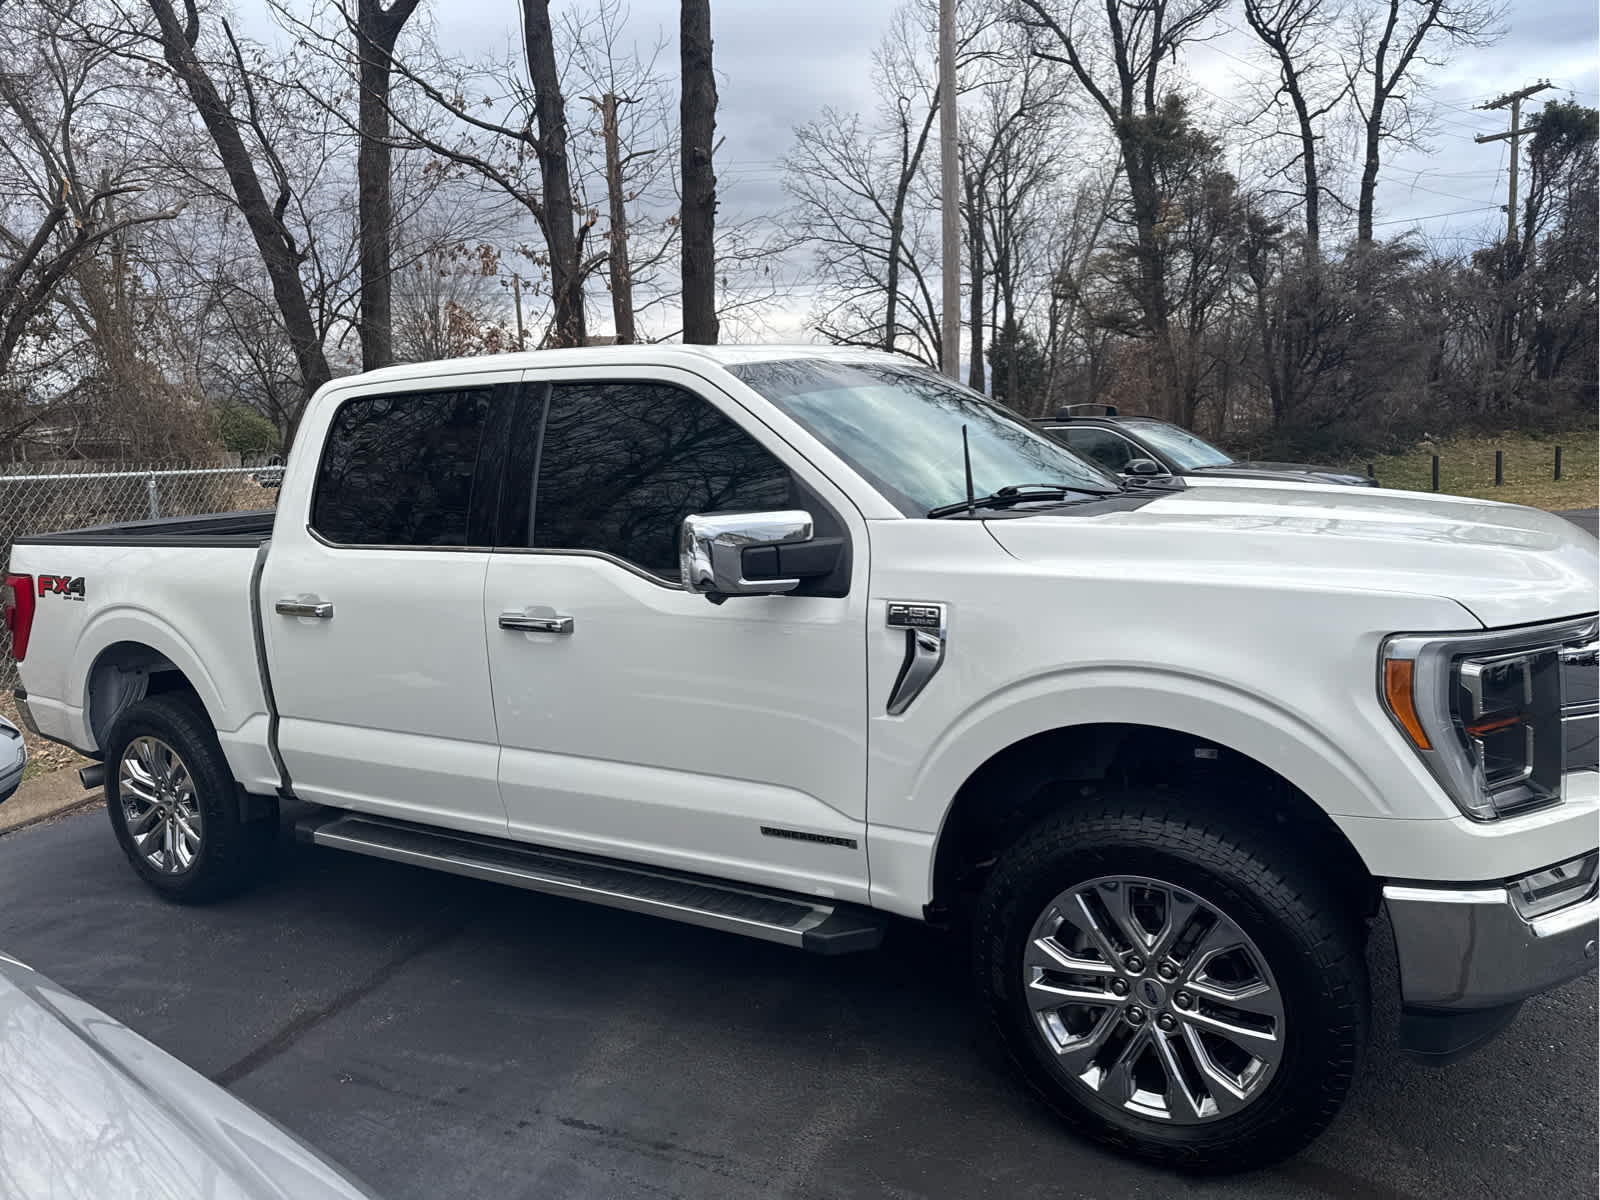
[304, 608]
[522, 623]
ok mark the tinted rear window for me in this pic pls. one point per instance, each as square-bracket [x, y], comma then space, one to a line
[398, 470]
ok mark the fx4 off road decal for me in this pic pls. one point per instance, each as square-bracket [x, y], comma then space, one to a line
[61, 585]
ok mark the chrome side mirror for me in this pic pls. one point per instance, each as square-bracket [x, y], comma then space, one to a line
[1144, 467]
[711, 551]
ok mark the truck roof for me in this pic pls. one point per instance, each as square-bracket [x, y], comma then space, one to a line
[653, 353]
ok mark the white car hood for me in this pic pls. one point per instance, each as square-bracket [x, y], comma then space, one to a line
[1505, 564]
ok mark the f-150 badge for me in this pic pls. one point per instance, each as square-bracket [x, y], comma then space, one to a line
[923, 622]
[905, 614]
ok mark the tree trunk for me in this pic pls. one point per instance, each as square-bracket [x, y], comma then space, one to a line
[1373, 135]
[975, 257]
[549, 108]
[376, 33]
[910, 163]
[1013, 394]
[617, 253]
[1308, 165]
[278, 252]
[1152, 286]
[698, 115]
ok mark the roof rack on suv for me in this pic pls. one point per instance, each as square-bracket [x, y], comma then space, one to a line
[1097, 410]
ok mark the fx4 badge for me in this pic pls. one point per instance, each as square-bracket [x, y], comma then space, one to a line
[923, 622]
[61, 585]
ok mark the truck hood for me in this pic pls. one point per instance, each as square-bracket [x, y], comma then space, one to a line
[1505, 564]
[1282, 473]
[89, 1108]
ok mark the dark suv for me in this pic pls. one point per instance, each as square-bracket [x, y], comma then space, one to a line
[1144, 446]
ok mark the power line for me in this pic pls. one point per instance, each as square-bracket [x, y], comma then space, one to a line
[1458, 212]
[1514, 101]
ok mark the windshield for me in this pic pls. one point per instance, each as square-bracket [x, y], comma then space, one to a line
[900, 429]
[1189, 451]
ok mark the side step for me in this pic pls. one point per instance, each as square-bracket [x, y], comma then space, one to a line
[821, 926]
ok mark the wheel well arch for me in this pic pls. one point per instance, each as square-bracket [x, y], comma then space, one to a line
[1078, 764]
[123, 674]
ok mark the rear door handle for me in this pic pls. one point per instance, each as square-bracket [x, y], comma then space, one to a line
[522, 623]
[304, 608]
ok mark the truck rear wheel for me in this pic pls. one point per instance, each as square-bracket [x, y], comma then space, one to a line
[174, 805]
[1172, 983]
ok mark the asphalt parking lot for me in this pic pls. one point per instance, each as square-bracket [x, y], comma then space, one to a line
[443, 1037]
[1585, 518]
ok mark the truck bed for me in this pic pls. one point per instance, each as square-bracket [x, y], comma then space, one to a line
[214, 529]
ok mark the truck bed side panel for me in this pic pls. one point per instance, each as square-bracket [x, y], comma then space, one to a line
[190, 603]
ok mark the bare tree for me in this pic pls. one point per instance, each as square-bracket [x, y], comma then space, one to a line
[1143, 38]
[1300, 37]
[861, 200]
[698, 118]
[550, 110]
[376, 28]
[636, 136]
[1387, 46]
[1074, 343]
[1004, 164]
[280, 253]
[496, 137]
[872, 254]
[447, 304]
[63, 199]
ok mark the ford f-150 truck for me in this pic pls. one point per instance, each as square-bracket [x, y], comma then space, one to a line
[791, 642]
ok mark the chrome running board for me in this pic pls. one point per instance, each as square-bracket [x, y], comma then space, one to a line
[821, 926]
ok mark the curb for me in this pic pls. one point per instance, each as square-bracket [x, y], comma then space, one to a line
[45, 797]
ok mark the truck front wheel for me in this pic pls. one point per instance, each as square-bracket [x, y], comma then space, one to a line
[174, 805]
[1173, 982]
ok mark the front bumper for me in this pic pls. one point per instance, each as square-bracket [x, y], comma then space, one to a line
[1469, 948]
[1468, 958]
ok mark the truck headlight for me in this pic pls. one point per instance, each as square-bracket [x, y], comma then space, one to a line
[1484, 711]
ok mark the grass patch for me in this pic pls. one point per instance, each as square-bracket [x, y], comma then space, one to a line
[1466, 468]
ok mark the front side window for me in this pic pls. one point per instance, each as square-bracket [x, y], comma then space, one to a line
[398, 470]
[622, 464]
[1104, 447]
[899, 428]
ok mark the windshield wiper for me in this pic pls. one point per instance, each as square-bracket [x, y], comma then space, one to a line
[1018, 493]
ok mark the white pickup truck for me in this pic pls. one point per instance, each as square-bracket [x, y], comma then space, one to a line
[790, 642]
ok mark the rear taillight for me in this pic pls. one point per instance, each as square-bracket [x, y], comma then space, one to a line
[19, 601]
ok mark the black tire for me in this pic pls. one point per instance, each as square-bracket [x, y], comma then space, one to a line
[1313, 951]
[231, 852]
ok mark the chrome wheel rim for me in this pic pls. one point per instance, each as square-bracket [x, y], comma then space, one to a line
[1153, 1001]
[160, 806]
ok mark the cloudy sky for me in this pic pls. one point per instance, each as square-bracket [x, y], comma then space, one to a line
[779, 63]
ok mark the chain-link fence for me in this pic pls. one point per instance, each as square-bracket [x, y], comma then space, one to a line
[58, 496]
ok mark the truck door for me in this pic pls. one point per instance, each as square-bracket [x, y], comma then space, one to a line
[373, 606]
[641, 721]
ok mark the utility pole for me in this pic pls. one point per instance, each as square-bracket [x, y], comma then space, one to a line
[949, 193]
[516, 299]
[1514, 99]
[617, 253]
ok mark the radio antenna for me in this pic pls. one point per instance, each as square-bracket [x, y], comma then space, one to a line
[966, 455]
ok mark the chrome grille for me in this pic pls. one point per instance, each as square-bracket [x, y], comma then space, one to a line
[1580, 699]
